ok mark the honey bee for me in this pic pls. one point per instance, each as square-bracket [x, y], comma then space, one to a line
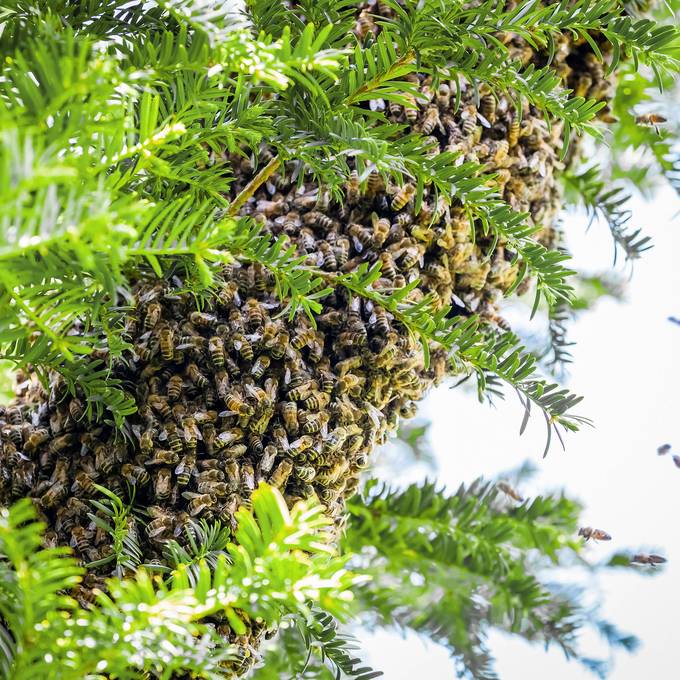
[318, 219]
[313, 422]
[135, 474]
[162, 483]
[216, 351]
[228, 294]
[153, 315]
[75, 409]
[300, 445]
[328, 256]
[36, 438]
[352, 188]
[174, 387]
[652, 560]
[510, 491]
[194, 374]
[302, 391]
[350, 383]
[260, 365]
[202, 320]
[54, 494]
[166, 342]
[228, 437]
[83, 484]
[160, 405]
[279, 345]
[430, 120]
[595, 534]
[513, 132]
[62, 443]
[241, 345]
[583, 83]
[191, 433]
[387, 265]
[80, 538]
[218, 489]
[487, 107]
[653, 119]
[161, 525]
[199, 503]
[266, 462]
[261, 420]
[361, 237]
[305, 473]
[247, 479]
[254, 313]
[364, 26]
[162, 457]
[104, 459]
[381, 230]
[281, 474]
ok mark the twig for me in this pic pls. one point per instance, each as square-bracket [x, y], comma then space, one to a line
[253, 186]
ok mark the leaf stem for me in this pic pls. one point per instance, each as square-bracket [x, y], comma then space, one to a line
[253, 185]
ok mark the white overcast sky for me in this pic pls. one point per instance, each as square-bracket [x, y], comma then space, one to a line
[627, 365]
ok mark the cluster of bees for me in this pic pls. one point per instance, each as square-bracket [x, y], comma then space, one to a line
[235, 393]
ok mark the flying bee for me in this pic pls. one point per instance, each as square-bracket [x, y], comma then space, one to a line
[194, 374]
[202, 320]
[199, 503]
[402, 197]
[653, 119]
[508, 490]
[676, 460]
[281, 474]
[260, 365]
[241, 345]
[135, 474]
[663, 449]
[652, 560]
[595, 534]
[162, 484]
[152, 316]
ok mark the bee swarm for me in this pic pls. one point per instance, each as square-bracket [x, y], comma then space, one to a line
[236, 393]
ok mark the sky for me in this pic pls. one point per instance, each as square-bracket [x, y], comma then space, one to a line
[627, 365]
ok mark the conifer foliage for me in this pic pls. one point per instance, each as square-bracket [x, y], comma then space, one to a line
[238, 243]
